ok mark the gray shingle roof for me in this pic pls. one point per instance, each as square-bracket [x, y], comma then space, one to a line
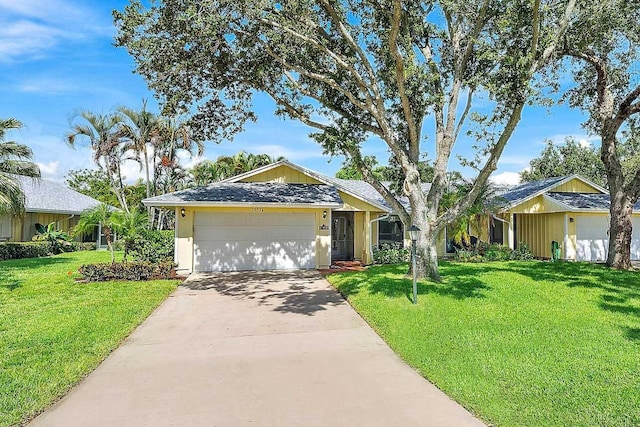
[528, 189]
[48, 196]
[586, 200]
[252, 192]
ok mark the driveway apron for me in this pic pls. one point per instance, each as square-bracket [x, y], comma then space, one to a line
[255, 349]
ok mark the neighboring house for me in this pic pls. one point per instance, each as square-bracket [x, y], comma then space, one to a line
[569, 210]
[46, 202]
[280, 216]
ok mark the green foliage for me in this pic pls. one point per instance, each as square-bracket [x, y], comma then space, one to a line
[224, 167]
[391, 254]
[95, 183]
[91, 218]
[56, 331]
[128, 225]
[517, 343]
[15, 159]
[133, 270]
[153, 246]
[19, 250]
[567, 159]
[349, 170]
[483, 252]
[57, 239]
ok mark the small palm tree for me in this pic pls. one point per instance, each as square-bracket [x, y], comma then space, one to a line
[15, 159]
[129, 225]
[101, 215]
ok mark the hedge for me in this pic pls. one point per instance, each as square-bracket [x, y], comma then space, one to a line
[133, 270]
[17, 250]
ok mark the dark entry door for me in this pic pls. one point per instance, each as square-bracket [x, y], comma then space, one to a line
[342, 236]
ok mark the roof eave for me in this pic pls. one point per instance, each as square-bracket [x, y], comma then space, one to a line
[152, 203]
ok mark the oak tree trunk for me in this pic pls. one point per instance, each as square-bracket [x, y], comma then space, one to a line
[620, 230]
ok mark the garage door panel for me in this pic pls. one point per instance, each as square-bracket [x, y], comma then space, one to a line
[253, 241]
[592, 238]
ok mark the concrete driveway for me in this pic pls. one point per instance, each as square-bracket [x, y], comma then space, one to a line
[259, 349]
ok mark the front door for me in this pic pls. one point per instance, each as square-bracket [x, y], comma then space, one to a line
[342, 236]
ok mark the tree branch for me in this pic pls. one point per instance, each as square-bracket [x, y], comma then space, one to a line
[414, 142]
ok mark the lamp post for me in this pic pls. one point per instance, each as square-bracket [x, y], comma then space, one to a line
[413, 234]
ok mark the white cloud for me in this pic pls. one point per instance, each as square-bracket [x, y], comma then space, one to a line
[506, 178]
[30, 28]
[48, 169]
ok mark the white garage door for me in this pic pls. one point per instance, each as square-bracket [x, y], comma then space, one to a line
[592, 238]
[635, 239]
[254, 241]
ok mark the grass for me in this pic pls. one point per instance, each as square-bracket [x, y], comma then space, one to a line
[517, 343]
[54, 331]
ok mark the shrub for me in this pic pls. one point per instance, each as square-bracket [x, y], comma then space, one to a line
[493, 252]
[153, 246]
[391, 254]
[17, 250]
[127, 271]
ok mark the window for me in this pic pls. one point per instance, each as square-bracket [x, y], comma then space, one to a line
[390, 232]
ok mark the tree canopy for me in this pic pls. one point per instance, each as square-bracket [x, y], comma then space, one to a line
[354, 70]
[569, 158]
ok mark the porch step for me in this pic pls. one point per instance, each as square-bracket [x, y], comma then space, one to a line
[339, 266]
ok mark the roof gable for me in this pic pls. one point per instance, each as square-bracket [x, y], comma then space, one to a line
[530, 190]
[355, 188]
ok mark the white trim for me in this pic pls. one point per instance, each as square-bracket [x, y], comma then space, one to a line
[309, 173]
[565, 252]
[246, 204]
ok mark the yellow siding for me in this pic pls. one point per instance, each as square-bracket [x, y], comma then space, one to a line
[575, 186]
[24, 227]
[282, 173]
[538, 231]
[354, 204]
[538, 205]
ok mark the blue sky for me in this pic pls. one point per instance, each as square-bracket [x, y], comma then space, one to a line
[57, 58]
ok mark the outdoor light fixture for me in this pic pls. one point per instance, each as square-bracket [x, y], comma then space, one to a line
[182, 212]
[324, 214]
[413, 233]
[571, 219]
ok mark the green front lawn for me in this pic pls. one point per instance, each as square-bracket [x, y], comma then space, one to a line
[54, 331]
[517, 343]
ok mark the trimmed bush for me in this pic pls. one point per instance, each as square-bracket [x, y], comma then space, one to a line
[153, 246]
[391, 254]
[127, 271]
[483, 252]
[17, 250]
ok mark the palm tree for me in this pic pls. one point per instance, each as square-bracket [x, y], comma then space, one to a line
[128, 226]
[140, 127]
[104, 133]
[15, 159]
[101, 215]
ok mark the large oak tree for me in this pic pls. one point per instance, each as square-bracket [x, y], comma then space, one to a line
[353, 70]
[604, 43]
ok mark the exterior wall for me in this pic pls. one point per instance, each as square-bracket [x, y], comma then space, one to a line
[538, 231]
[184, 233]
[282, 174]
[24, 227]
[575, 186]
[538, 205]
